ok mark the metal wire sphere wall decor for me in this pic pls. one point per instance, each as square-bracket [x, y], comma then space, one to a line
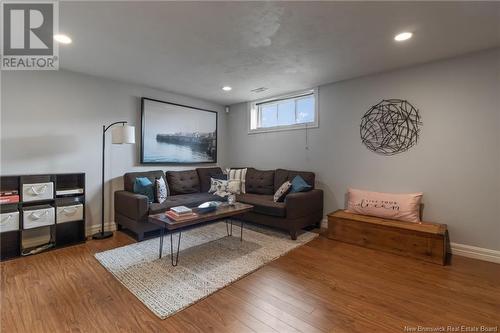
[390, 127]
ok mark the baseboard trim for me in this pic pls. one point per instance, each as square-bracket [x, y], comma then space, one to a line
[475, 252]
[463, 250]
[94, 229]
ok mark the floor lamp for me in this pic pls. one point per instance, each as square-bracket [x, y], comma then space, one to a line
[119, 135]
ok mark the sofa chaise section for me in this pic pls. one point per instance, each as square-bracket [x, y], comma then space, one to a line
[132, 210]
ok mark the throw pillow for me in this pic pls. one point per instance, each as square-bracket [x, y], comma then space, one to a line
[218, 187]
[403, 207]
[161, 190]
[220, 176]
[238, 174]
[234, 186]
[142, 185]
[281, 193]
[300, 185]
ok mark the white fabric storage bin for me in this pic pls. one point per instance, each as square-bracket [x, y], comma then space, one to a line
[38, 191]
[33, 218]
[9, 221]
[69, 213]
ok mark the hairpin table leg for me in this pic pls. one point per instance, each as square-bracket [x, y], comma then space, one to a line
[174, 263]
[229, 231]
[241, 232]
[162, 233]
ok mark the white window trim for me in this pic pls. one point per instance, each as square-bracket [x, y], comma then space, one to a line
[252, 110]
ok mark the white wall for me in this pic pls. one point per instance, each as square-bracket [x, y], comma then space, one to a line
[52, 122]
[456, 163]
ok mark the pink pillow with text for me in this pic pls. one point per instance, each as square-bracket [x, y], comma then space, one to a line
[403, 207]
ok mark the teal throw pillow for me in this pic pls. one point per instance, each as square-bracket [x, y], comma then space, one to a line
[144, 186]
[300, 185]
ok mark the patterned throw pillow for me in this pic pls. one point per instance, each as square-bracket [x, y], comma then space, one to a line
[161, 190]
[238, 174]
[219, 187]
[281, 193]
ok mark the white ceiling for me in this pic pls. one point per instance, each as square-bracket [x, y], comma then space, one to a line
[195, 48]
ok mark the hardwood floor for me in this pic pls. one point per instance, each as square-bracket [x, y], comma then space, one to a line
[323, 286]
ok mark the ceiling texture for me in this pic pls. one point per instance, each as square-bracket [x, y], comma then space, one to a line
[195, 48]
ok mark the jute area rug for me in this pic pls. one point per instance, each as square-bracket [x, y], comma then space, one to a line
[208, 261]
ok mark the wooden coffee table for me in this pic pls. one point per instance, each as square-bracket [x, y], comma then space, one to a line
[222, 212]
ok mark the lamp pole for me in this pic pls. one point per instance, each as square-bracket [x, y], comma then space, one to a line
[104, 234]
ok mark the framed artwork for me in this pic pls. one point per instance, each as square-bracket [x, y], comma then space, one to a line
[177, 134]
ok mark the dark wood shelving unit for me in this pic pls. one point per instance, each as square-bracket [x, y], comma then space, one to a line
[62, 234]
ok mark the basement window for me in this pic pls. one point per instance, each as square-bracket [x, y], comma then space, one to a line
[287, 112]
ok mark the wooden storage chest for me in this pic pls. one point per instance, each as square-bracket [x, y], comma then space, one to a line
[425, 240]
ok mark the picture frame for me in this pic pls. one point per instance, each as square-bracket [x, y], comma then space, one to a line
[173, 133]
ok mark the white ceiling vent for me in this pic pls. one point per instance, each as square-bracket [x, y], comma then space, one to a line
[258, 90]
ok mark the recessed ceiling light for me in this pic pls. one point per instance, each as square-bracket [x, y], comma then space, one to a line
[403, 36]
[63, 39]
[227, 88]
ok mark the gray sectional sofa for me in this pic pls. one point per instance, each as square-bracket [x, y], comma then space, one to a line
[190, 188]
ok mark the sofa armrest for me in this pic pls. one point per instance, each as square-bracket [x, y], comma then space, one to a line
[302, 204]
[131, 205]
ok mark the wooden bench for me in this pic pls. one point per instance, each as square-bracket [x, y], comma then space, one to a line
[423, 240]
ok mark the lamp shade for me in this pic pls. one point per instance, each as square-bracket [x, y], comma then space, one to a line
[123, 134]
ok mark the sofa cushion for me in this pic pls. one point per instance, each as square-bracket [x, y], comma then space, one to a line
[260, 181]
[263, 204]
[183, 182]
[188, 200]
[205, 174]
[129, 178]
[283, 175]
